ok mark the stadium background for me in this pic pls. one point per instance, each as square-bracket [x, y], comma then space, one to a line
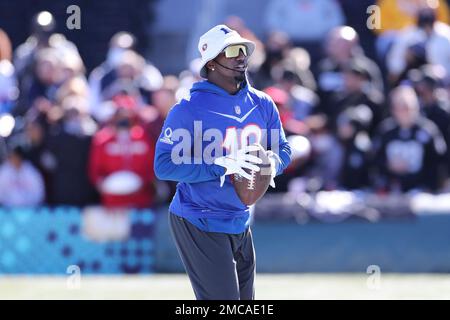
[404, 235]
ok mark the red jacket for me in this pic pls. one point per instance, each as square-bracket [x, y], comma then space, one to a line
[112, 152]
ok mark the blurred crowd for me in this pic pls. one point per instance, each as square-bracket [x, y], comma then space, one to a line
[354, 123]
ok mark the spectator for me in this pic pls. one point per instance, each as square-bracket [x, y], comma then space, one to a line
[123, 62]
[409, 148]
[119, 42]
[434, 103]
[415, 58]
[298, 105]
[68, 148]
[323, 159]
[342, 48]
[356, 94]
[33, 130]
[298, 61]
[125, 77]
[44, 82]
[352, 115]
[43, 37]
[433, 35]
[20, 183]
[277, 47]
[302, 100]
[353, 134]
[123, 152]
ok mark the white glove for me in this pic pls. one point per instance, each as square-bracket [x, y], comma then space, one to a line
[273, 157]
[238, 161]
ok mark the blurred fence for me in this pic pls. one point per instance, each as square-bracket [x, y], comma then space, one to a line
[49, 241]
[341, 232]
[420, 245]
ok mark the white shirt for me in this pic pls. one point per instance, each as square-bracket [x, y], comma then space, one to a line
[437, 47]
[20, 187]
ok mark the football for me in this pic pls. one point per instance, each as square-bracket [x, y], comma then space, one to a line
[250, 191]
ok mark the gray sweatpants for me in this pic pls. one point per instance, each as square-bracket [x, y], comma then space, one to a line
[220, 266]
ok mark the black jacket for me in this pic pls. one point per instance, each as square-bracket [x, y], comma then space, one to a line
[421, 149]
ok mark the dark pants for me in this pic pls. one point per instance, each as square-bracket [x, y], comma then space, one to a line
[220, 266]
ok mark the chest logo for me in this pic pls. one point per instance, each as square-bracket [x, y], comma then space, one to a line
[241, 119]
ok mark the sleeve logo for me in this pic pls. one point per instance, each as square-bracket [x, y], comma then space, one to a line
[167, 136]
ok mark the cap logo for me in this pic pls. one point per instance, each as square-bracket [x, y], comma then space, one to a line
[204, 47]
[225, 30]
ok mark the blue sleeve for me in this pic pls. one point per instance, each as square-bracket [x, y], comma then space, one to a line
[178, 124]
[280, 145]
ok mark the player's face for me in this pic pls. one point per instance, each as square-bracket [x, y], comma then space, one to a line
[233, 57]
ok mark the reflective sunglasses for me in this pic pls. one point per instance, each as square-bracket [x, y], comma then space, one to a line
[234, 50]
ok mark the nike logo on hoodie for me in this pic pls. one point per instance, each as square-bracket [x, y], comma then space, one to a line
[241, 119]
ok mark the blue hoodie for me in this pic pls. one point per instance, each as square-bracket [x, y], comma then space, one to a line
[188, 132]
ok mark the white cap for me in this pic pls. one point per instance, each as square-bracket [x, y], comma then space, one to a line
[212, 43]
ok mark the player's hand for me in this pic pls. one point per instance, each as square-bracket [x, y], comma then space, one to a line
[273, 157]
[238, 161]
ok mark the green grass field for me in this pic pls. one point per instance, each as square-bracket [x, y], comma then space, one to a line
[268, 286]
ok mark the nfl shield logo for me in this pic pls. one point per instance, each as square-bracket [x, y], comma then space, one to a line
[237, 109]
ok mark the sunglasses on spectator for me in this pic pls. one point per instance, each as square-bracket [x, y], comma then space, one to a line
[233, 51]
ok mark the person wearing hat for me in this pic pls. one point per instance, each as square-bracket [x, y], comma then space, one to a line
[205, 139]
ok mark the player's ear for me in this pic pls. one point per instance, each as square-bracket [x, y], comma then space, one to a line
[211, 66]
